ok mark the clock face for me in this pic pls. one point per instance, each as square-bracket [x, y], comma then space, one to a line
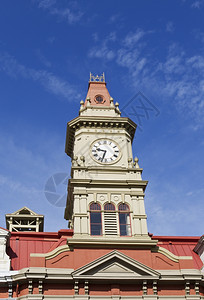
[105, 151]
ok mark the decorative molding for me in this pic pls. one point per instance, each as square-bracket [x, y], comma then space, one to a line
[154, 287]
[76, 287]
[187, 288]
[30, 286]
[197, 288]
[52, 253]
[170, 255]
[40, 286]
[141, 240]
[86, 287]
[144, 287]
[112, 297]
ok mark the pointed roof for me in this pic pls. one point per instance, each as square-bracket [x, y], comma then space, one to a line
[24, 211]
[98, 94]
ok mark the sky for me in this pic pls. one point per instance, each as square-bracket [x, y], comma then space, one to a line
[152, 54]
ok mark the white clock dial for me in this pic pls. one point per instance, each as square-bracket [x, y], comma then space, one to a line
[105, 151]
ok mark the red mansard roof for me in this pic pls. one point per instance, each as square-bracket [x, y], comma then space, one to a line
[22, 244]
[181, 246]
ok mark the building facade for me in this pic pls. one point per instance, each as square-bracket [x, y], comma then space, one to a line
[107, 252]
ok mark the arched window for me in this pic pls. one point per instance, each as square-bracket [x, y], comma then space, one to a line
[124, 220]
[95, 219]
[110, 219]
[109, 206]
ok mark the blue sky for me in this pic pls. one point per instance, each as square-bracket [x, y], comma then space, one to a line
[48, 48]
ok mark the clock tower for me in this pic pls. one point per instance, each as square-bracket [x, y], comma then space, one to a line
[105, 202]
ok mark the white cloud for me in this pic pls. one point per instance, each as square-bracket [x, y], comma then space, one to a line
[170, 27]
[133, 37]
[196, 62]
[70, 15]
[95, 37]
[49, 81]
[114, 18]
[197, 3]
[46, 3]
[51, 39]
[43, 59]
[103, 51]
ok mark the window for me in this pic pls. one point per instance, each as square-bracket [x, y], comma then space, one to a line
[109, 207]
[110, 219]
[124, 220]
[95, 219]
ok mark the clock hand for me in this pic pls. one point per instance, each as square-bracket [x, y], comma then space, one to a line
[98, 149]
[103, 154]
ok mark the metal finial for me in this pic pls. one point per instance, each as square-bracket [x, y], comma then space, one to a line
[111, 101]
[97, 78]
[81, 104]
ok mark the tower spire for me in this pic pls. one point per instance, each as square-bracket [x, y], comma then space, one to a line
[98, 94]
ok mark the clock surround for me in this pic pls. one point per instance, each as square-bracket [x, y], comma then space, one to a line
[105, 151]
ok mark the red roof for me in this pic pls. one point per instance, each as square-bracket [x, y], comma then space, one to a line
[22, 244]
[181, 246]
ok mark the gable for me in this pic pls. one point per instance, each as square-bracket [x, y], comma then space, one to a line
[24, 211]
[115, 265]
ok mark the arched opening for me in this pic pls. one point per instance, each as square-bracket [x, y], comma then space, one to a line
[109, 207]
[124, 220]
[95, 219]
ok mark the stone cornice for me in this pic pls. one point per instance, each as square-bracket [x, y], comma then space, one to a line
[139, 242]
[69, 275]
[111, 297]
[118, 183]
[93, 122]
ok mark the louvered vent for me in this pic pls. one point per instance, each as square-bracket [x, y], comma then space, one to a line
[110, 223]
